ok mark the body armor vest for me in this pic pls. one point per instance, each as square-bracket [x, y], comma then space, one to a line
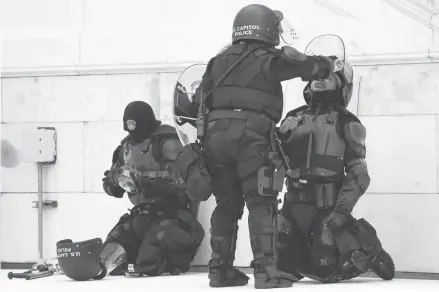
[248, 86]
[140, 156]
[316, 148]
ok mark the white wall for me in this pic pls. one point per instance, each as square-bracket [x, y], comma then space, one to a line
[397, 103]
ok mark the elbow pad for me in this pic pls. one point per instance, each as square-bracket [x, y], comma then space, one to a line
[291, 55]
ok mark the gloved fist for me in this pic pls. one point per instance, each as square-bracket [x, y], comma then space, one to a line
[289, 124]
[336, 221]
[108, 177]
[109, 186]
[335, 64]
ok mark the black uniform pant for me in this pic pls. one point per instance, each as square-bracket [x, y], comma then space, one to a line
[306, 246]
[237, 148]
[158, 243]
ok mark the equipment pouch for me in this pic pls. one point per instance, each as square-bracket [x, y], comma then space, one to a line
[191, 165]
[266, 181]
[325, 196]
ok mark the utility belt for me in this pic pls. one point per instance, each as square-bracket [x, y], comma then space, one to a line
[254, 120]
[323, 195]
[259, 122]
[161, 206]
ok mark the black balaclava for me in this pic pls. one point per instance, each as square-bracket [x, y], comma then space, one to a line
[139, 120]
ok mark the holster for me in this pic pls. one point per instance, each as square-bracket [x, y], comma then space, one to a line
[271, 175]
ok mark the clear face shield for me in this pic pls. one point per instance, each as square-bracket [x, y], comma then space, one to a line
[288, 35]
[190, 92]
[330, 45]
[193, 89]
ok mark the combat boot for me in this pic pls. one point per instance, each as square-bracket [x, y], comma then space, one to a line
[383, 266]
[263, 232]
[221, 270]
[380, 262]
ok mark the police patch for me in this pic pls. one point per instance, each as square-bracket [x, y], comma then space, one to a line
[131, 125]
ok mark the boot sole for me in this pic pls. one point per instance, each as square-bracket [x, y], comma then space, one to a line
[273, 285]
[222, 285]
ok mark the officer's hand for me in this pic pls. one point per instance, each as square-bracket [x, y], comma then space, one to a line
[334, 63]
[289, 124]
[112, 190]
[109, 187]
[336, 221]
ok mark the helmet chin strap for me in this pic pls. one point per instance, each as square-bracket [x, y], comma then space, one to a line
[326, 97]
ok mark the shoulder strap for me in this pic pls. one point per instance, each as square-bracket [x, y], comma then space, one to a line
[202, 110]
[229, 70]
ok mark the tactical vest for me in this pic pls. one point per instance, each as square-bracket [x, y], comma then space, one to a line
[316, 149]
[249, 86]
[145, 158]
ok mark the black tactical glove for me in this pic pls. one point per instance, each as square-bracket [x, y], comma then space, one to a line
[288, 125]
[110, 188]
[336, 220]
[329, 60]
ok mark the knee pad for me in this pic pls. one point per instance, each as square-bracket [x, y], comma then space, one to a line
[232, 207]
[291, 247]
[122, 233]
[193, 226]
[324, 252]
[284, 226]
[79, 260]
[172, 237]
[181, 261]
[289, 237]
[255, 201]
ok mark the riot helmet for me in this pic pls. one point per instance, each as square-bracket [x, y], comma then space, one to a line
[259, 23]
[337, 88]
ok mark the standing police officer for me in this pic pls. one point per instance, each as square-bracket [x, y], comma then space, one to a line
[243, 110]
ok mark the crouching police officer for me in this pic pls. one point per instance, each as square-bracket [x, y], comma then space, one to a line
[161, 233]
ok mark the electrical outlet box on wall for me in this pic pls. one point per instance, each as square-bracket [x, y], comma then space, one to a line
[39, 145]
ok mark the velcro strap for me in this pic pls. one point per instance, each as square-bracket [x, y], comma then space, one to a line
[259, 121]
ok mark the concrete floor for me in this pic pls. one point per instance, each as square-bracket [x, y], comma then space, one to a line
[198, 282]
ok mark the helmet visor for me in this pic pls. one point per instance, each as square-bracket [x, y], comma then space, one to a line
[286, 31]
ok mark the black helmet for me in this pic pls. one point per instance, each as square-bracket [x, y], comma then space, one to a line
[257, 22]
[343, 93]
